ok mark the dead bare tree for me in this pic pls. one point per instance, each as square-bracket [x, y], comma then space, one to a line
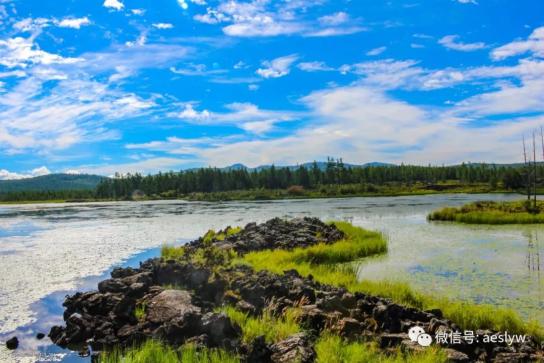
[534, 172]
[527, 171]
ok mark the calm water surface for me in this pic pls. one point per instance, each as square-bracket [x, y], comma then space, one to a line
[47, 251]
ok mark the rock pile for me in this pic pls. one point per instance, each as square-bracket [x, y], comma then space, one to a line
[138, 304]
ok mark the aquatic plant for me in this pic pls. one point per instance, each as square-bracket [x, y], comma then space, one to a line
[487, 212]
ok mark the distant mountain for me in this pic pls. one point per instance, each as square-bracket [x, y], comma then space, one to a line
[322, 165]
[51, 182]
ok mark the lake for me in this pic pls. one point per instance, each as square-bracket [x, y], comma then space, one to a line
[49, 250]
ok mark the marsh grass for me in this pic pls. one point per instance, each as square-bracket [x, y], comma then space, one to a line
[518, 212]
[331, 348]
[329, 264]
[273, 328]
[155, 352]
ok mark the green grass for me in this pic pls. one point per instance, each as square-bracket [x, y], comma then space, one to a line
[172, 253]
[517, 212]
[333, 349]
[155, 352]
[139, 311]
[273, 328]
[322, 262]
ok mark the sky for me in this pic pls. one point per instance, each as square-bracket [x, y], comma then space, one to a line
[106, 86]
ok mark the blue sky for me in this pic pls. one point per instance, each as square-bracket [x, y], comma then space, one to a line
[101, 86]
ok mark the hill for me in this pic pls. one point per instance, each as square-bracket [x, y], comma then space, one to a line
[51, 182]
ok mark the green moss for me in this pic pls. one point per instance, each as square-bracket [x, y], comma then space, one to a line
[155, 352]
[518, 212]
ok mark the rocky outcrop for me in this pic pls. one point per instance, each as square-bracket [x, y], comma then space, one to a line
[275, 234]
[138, 304]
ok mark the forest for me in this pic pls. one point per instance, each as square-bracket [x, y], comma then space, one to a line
[334, 173]
[328, 179]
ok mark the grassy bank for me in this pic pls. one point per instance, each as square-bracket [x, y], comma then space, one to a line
[518, 212]
[329, 264]
[324, 263]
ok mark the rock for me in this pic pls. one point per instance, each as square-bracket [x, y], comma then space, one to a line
[221, 330]
[40, 336]
[12, 343]
[455, 355]
[168, 305]
[436, 312]
[511, 358]
[348, 328]
[258, 351]
[391, 340]
[112, 285]
[245, 307]
[295, 349]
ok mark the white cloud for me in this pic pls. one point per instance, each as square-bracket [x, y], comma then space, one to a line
[245, 116]
[138, 11]
[260, 18]
[337, 31]
[189, 113]
[163, 25]
[278, 67]
[534, 44]
[113, 4]
[192, 69]
[31, 25]
[8, 175]
[74, 23]
[450, 42]
[468, 2]
[22, 52]
[342, 118]
[183, 4]
[376, 51]
[334, 19]
[314, 67]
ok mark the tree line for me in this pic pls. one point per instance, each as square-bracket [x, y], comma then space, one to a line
[309, 177]
[335, 172]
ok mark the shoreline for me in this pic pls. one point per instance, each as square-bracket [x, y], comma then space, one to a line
[159, 281]
[303, 197]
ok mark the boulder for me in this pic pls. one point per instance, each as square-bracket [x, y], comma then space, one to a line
[168, 305]
[295, 349]
[12, 343]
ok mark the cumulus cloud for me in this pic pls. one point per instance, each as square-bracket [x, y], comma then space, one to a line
[278, 67]
[259, 18]
[183, 4]
[451, 42]
[74, 23]
[23, 52]
[9, 175]
[114, 4]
